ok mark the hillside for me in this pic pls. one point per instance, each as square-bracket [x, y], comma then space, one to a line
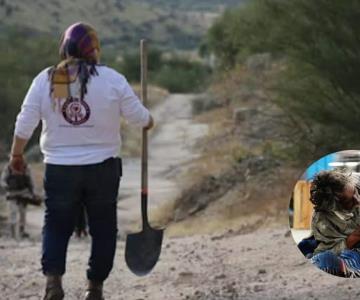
[121, 23]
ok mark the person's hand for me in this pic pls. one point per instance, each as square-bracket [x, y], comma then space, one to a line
[150, 124]
[17, 164]
[353, 238]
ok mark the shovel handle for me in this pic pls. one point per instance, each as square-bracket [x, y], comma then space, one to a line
[144, 155]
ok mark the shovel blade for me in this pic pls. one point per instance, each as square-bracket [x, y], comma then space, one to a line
[143, 250]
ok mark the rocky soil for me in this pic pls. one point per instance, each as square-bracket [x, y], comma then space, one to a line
[260, 265]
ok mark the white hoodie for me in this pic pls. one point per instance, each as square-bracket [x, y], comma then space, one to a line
[77, 133]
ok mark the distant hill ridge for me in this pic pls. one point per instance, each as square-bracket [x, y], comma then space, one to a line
[121, 23]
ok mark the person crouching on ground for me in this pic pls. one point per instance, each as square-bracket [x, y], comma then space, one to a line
[336, 222]
[79, 103]
[19, 193]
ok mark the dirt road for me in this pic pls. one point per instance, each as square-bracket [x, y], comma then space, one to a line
[261, 265]
[264, 264]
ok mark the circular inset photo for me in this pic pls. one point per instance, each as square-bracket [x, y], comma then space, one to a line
[324, 213]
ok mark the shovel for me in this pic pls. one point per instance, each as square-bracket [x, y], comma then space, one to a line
[143, 249]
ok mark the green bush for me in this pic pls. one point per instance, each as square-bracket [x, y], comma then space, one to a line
[181, 76]
[23, 55]
[130, 65]
[175, 74]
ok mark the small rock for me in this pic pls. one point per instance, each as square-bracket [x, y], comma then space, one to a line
[262, 271]
[287, 233]
[258, 288]
[186, 274]
[221, 276]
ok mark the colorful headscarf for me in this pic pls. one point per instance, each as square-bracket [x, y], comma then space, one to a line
[79, 52]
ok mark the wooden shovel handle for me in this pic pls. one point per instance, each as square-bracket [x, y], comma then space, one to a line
[144, 156]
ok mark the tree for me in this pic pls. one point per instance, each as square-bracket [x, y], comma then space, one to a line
[320, 42]
[23, 55]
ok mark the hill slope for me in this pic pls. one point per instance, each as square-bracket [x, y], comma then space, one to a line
[121, 23]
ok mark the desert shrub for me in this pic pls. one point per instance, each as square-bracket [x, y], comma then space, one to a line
[180, 75]
[175, 74]
[130, 65]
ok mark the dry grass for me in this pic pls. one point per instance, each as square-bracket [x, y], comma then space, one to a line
[161, 216]
[244, 208]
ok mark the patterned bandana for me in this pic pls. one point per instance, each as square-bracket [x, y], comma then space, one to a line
[79, 51]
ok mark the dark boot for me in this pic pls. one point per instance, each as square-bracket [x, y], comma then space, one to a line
[94, 291]
[54, 290]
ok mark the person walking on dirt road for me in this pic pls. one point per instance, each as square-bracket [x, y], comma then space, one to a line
[79, 103]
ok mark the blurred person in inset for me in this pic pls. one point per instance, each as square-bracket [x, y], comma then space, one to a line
[79, 102]
[336, 222]
[19, 193]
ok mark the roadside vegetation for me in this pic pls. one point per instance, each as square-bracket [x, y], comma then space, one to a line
[170, 24]
[314, 50]
[23, 55]
[284, 93]
[175, 73]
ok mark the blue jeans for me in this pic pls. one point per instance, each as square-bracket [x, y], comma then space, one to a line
[346, 264]
[307, 246]
[67, 188]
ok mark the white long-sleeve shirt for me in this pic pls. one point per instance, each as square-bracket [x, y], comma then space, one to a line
[77, 133]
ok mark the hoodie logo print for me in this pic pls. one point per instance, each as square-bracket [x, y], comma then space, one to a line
[75, 111]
